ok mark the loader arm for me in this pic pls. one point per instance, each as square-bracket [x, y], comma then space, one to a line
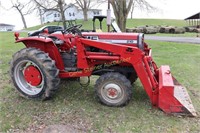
[130, 54]
[163, 90]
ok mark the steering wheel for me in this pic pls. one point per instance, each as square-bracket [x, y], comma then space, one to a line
[74, 29]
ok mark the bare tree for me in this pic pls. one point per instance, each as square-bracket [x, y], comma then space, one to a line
[24, 8]
[122, 8]
[55, 5]
[142, 5]
[85, 5]
[132, 9]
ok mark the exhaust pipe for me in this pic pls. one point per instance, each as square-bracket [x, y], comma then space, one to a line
[173, 98]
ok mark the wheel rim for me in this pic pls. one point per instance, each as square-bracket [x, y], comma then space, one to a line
[28, 77]
[32, 75]
[112, 93]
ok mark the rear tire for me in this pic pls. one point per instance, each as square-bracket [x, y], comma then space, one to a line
[113, 89]
[34, 74]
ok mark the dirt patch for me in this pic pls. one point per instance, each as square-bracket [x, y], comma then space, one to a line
[195, 93]
[61, 129]
[51, 129]
[3, 84]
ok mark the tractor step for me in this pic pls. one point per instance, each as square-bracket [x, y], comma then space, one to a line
[71, 69]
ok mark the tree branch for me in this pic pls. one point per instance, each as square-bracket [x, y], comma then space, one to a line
[144, 5]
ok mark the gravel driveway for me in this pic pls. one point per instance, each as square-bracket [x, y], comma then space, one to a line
[194, 40]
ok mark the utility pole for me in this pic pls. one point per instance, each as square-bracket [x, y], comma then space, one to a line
[108, 16]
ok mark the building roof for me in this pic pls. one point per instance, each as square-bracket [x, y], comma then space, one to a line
[2, 24]
[195, 16]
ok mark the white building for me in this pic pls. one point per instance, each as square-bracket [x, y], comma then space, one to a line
[51, 16]
[72, 12]
[6, 27]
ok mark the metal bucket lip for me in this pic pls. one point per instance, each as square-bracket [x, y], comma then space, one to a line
[181, 94]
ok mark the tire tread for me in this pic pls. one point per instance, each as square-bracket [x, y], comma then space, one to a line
[46, 64]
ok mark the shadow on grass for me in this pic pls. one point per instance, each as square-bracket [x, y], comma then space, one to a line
[139, 93]
[73, 91]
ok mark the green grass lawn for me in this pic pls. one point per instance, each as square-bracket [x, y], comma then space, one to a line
[138, 22]
[130, 23]
[77, 106]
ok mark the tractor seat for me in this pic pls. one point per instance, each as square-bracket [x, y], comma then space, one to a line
[56, 40]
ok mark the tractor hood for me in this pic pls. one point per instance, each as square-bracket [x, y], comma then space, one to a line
[130, 39]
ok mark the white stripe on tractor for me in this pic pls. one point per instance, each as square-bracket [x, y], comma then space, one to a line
[120, 41]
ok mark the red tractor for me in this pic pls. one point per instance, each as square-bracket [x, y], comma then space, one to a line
[118, 58]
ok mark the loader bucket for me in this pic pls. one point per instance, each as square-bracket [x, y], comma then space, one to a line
[173, 97]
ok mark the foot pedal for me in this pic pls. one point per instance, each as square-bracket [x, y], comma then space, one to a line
[71, 69]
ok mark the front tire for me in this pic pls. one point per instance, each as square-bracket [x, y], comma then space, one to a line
[132, 77]
[34, 74]
[113, 89]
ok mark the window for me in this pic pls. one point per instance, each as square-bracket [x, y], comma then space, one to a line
[98, 12]
[55, 15]
[58, 15]
[70, 14]
[73, 14]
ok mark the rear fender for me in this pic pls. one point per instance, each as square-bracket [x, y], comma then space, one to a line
[46, 45]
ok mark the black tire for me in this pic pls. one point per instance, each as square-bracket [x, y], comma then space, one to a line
[132, 77]
[113, 89]
[129, 72]
[34, 74]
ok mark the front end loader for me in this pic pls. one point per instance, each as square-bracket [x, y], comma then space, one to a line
[118, 58]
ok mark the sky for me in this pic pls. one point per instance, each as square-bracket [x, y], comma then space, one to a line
[167, 9]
